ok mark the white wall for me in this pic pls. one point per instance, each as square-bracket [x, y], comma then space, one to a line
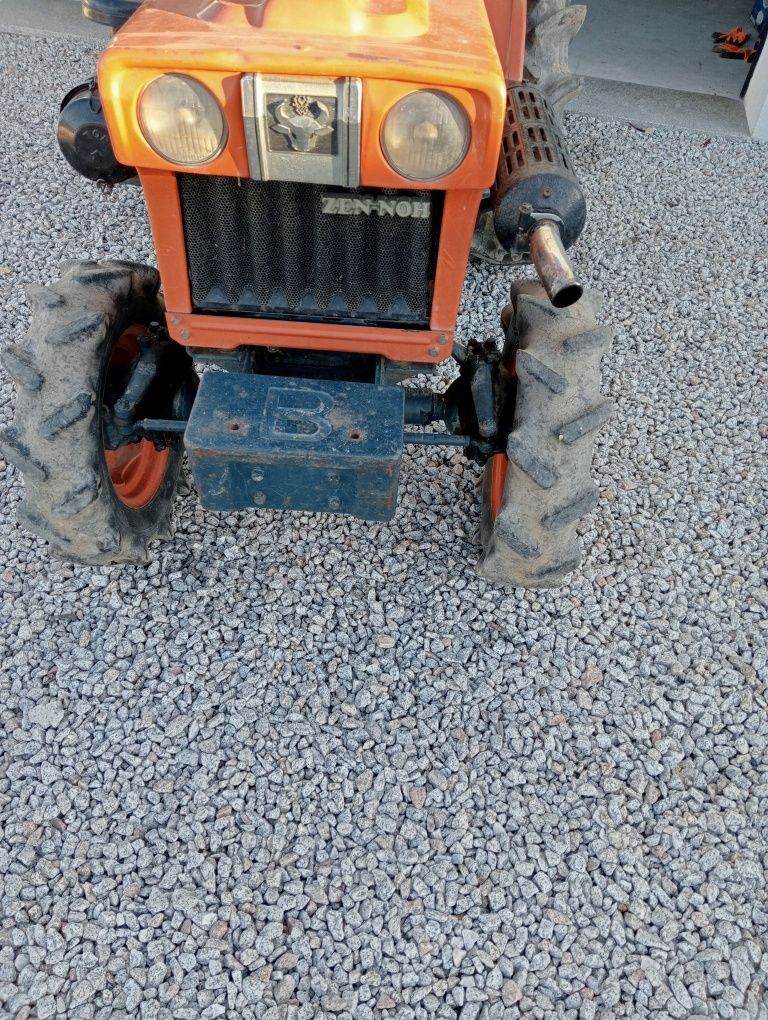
[756, 99]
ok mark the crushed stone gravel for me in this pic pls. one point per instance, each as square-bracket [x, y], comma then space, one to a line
[303, 767]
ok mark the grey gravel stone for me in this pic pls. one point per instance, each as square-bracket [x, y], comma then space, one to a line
[285, 989]
[511, 992]
[82, 992]
[188, 902]
[45, 1007]
[301, 767]
[48, 714]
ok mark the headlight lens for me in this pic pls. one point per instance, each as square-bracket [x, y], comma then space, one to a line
[181, 120]
[425, 135]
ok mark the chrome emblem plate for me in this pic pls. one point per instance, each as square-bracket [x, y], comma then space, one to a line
[303, 129]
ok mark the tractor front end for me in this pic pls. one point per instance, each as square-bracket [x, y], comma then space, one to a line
[314, 173]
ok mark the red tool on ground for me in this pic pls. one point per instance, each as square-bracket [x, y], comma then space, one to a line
[731, 52]
[734, 36]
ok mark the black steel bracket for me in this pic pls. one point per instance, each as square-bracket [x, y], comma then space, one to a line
[160, 388]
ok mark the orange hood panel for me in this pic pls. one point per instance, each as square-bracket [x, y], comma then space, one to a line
[430, 41]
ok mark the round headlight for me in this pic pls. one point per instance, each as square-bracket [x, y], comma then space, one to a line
[425, 135]
[181, 120]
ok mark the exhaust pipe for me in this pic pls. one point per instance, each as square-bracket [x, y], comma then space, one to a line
[553, 265]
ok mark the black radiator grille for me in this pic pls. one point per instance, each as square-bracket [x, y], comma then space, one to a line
[267, 248]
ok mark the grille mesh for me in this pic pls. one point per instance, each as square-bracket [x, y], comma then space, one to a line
[266, 248]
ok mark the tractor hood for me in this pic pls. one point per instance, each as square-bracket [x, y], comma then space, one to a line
[430, 41]
[390, 47]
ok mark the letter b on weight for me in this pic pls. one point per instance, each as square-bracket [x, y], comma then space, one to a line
[297, 413]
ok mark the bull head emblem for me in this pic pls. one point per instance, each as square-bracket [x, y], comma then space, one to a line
[304, 120]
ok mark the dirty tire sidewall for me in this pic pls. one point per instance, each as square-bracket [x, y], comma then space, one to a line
[551, 26]
[56, 439]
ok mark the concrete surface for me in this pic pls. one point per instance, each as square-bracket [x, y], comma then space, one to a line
[662, 107]
[48, 17]
[662, 43]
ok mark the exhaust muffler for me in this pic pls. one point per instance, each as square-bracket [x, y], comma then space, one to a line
[539, 208]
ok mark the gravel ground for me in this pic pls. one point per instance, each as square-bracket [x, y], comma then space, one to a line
[304, 768]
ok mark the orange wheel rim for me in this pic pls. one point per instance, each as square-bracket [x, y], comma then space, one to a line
[137, 472]
[499, 465]
[137, 469]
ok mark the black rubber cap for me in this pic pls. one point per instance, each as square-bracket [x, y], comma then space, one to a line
[84, 140]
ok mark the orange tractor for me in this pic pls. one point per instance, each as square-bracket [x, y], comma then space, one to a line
[316, 174]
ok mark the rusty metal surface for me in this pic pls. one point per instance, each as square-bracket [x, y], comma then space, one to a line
[553, 265]
[296, 444]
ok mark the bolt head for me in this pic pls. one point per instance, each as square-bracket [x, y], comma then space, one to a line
[257, 474]
[433, 352]
[185, 334]
[259, 499]
[334, 503]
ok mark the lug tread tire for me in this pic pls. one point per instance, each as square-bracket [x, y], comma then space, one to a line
[55, 440]
[548, 488]
[551, 26]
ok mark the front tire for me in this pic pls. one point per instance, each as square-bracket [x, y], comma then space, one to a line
[91, 505]
[534, 495]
